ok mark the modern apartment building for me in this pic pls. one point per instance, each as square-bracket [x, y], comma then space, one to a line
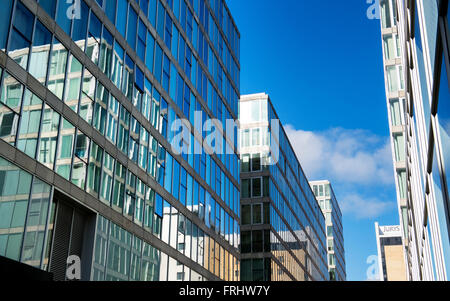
[416, 61]
[333, 228]
[282, 227]
[391, 258]
[90, 93]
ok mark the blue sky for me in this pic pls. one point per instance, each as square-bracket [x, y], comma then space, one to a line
[321, 63]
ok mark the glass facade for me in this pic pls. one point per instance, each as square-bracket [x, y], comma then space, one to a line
[335, 234]
[422, 164]
[282, 226]
[100, 113]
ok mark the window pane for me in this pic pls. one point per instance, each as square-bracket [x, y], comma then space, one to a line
[13, 207]
[40, 52]
[12, 91]
[95, 169]
[8, 124]
[49, 136]
[29, 125]
[33, 244]
[57, 71]
[65, 149]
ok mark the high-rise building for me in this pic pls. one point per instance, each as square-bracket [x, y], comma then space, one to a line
[391, 258]
[333, 228]
[92, 94]
[416, 62]
[282, 226]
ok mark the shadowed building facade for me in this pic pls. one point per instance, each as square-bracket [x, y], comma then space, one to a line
[391, 258]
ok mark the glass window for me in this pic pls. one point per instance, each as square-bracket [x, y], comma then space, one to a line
[21, 34]
[34, 238]
[256, 162]
[140, 200]
[61, 16]
[133, 149]
[40, 52]
[13, 207]
[80, 23]
[49, 137]
[443, 115]
[106, 52]
[12, 91]
[107, 178]
[100, 108]
[396, 115]
[124, 129]
[87, 96]
[119, 187]
[150, 48]
[130, 195]
[131, 29]
[122, 9]
[94, 169]
[119, 254]
[5, 15]
[399, 147]
[257, 214]
[245, 138]
[112, 119]
[72, 92]
[57, 71]
[256, 187]
[30, 123]
[245, 190]
[65, 149]
[245, 163]
[158, 63]
[80, 160]
[117, 65]
[390, 49]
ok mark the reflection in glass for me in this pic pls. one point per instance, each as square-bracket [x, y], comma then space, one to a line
[65, 149]
[40, 52]
[29, 125]
[107, 178]
[87, 96]
[13, 208]
[49, 136]
[58, 64]
[73, 83]
[12, 91]
[21, 33]
[35, 231]
[94, 170]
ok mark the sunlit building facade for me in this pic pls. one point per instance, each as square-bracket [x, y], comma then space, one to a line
[333, 228]
[391, 258]
[415, 47]
[90, 92]
[282, 226]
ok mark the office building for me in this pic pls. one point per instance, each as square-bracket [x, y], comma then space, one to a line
[416, 57]
[90, 93]
[333, 228]
[282, 226]
[391, 258]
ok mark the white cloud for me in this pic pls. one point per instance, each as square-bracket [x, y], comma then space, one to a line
[350, 156]
[362, 207]
[357, 162]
